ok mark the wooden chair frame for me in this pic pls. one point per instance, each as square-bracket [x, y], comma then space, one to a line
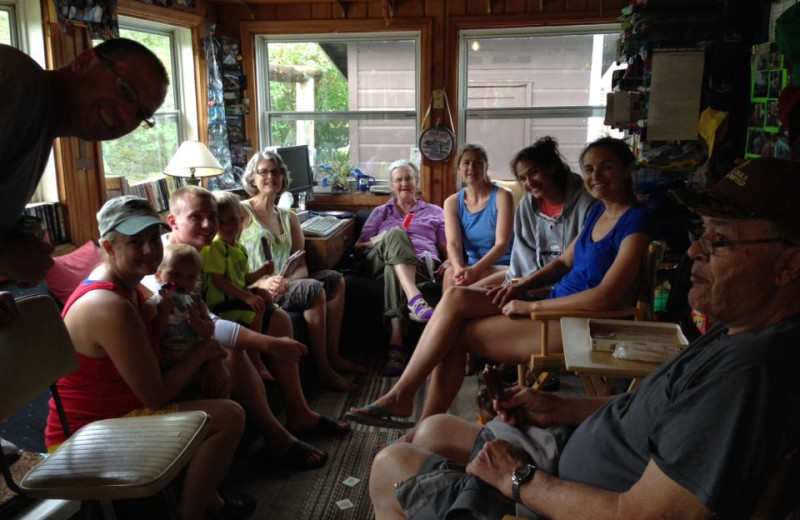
[540, 363]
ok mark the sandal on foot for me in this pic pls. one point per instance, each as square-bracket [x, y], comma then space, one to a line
[374, 415]
[299, 457]
[395, 363]
[325, 427]
[419, 310]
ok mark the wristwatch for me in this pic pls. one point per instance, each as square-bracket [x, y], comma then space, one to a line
[520, 476]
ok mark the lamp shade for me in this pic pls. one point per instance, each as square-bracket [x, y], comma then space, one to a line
[193, 160]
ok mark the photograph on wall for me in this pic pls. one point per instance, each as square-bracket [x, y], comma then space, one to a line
[765, 136]
[771, 121]
[776, 80]
[755, 142]
[757, 110]
[760, 84]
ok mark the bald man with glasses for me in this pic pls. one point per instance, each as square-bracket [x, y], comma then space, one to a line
[105, 93]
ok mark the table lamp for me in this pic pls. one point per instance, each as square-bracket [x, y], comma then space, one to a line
[193, 161]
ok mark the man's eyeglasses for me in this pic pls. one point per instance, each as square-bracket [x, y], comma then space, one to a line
[710, 247]
[129, 94]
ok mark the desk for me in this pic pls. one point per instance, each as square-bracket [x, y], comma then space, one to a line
[346, 201]
[326, 252]
[597, 370]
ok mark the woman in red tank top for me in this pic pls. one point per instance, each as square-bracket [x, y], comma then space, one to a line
[118, 357]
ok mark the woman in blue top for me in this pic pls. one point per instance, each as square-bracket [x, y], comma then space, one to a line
[596, 272]
[478, 221]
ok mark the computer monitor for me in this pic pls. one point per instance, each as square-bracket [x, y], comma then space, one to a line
[296, 160]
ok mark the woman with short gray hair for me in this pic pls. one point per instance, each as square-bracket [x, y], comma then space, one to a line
[399, 237]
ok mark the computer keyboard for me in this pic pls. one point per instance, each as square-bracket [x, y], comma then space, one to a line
[320, 226]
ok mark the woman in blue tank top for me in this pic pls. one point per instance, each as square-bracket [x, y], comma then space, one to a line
[478, 221]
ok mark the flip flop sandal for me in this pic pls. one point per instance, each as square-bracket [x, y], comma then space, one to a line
[419, 310]
[325, 427]
[381, 418]
[298, 457]
[396, 362]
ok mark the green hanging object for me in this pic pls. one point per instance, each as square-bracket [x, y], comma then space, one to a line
[787, 36]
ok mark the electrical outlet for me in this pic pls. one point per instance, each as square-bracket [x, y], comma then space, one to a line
[438, 98]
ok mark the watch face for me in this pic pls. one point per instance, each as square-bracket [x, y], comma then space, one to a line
[521, 473]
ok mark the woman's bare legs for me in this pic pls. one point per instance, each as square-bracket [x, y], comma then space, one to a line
[407, 275]
[334, 310]
[208, 466]
[248, 389]
[448, 436]
[457, 306]
[498, 338]
[316, 321]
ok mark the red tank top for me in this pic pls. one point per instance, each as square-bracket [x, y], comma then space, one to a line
[95, 390]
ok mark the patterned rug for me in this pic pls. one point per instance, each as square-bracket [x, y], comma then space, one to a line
[313, 494]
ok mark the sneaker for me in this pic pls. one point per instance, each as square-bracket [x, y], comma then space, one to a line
[419, 310]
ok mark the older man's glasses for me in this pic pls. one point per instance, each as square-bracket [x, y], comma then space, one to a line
[710, 247]
[129, 94]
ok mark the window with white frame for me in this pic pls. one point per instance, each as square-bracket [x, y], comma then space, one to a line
[525, 84]
[353, 99]
[145, 152]
[8, 23]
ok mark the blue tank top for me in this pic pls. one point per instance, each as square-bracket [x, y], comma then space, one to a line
[593, 259]
[478, 230]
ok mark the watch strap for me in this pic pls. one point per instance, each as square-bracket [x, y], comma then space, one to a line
[518, 481]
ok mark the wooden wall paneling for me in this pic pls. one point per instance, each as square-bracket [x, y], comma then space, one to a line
[477, 7]
[374, 10]
[299, 11]
[160, 14]
[321, 11]
[555, 5]
[456, 7]
[535, 5]
[515, 6]
[576, 5]
[265, 12]
[411, 8]
[357, 11]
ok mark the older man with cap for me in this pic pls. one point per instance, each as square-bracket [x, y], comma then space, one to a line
[699, 438]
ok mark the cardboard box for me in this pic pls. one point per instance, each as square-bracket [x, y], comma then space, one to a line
[605, 335]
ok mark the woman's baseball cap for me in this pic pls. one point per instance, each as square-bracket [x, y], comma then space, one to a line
[127, 215]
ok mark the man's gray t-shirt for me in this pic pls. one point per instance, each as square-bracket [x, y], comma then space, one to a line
[26, 131]
[715, 420]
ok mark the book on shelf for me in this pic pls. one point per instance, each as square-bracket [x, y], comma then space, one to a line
[116, 186]
[157, 190]
[52, 216]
